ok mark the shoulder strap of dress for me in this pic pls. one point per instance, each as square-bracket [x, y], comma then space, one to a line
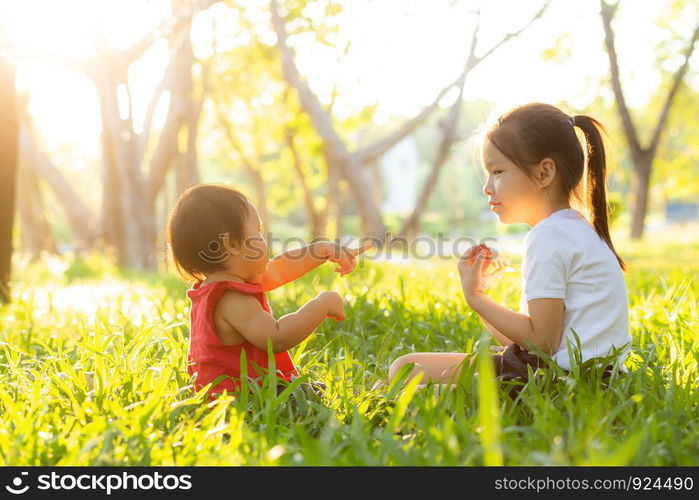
[254, 289]
[244, 287]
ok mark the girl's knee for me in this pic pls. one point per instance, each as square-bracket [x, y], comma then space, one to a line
[400, 362]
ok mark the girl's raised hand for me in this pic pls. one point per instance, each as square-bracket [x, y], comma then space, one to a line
[472, 267]
[344, 256]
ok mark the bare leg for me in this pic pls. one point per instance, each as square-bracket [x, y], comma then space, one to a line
[441, 367]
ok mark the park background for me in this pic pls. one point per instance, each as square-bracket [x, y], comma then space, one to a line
[338, 119]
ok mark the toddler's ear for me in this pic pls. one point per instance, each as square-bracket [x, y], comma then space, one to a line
[229, 244]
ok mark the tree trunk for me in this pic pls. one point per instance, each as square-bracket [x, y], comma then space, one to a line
[188, 170]
[376, 182]
[411, 226]
[258, 183]
[640, 189]
[39, 165]
[369, 212]
[129, 209]
[251, 168]
[180, 112]
[133, 228]
[336, 151]
[34, 228]
[128, 214]
[112, 218]
[642, 157]
[340, 210]
[9, 131]
[334, 199]
[314, 215]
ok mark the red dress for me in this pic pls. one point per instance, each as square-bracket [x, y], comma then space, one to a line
[208, 358]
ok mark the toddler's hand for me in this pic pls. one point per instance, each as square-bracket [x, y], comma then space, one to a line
[342, 255]
[333, 301]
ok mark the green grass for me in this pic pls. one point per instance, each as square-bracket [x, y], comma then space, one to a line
[92, 372]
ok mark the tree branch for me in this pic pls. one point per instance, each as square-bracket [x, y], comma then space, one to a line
[168, 27]
[607, 12]
[79, 217]
[85, 65]
[164, 84]
[677, 81]
[372, 152]
[321, 119]
[514, 34]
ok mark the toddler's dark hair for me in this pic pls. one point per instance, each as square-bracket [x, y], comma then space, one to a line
[204, 217]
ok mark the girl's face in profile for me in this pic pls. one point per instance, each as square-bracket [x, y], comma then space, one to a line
[252, 254]
[512, 194]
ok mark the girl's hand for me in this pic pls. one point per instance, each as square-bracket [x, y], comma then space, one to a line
[472, 267]
[344, 256]
[333, 301]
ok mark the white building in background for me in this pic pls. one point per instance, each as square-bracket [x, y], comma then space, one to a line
[399, 169]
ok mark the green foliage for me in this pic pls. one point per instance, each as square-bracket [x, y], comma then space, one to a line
[92, 265]
[93, 372]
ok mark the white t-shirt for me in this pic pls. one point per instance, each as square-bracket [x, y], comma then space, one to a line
[565, 258]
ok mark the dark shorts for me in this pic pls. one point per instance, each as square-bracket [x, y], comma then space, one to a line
[512, 362]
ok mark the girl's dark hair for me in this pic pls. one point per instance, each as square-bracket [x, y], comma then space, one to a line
[204, 217]
[529, 133]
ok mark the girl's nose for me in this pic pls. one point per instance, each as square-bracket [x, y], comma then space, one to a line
[487, 188]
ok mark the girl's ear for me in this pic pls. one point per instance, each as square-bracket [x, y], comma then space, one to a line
[545, 172]
[231, 246]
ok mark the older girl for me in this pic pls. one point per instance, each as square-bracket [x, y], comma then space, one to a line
[572, 277]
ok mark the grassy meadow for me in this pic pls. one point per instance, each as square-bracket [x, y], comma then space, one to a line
[92, 372]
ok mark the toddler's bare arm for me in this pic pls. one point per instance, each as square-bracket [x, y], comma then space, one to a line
[256, 325]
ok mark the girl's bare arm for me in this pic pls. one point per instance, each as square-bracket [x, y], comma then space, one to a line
[543, 326]
[291, 265]
[245, 314]
[504, 341]
[295, 263]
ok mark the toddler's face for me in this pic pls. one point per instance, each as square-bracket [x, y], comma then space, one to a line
[253, 254]
[513, 195]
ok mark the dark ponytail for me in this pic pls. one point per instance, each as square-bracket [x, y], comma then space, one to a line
[596, 182]
[531, 132]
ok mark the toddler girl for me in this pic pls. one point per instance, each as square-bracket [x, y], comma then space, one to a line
[215, 235]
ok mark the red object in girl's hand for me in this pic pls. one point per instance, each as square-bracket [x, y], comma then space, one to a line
[480, 247]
